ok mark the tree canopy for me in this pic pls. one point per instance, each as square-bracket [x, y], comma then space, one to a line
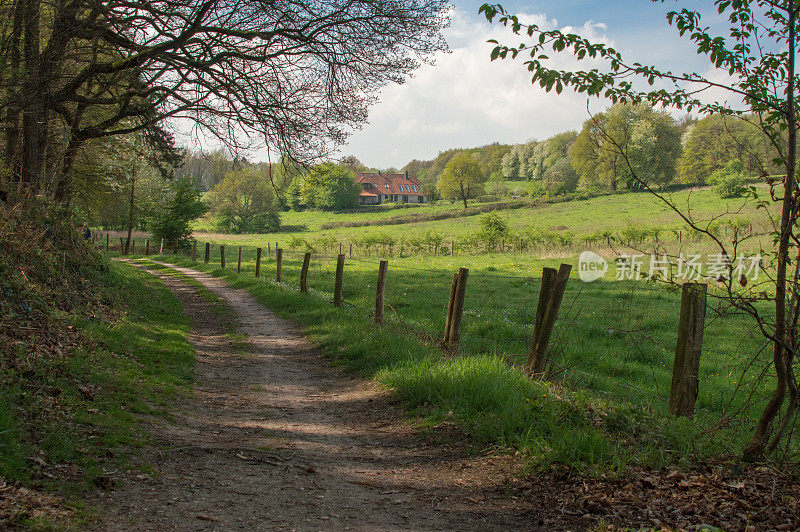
[288, 75]
[462, 178]
[244, 202]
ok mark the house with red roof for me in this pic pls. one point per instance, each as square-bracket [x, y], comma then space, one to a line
[379, 188]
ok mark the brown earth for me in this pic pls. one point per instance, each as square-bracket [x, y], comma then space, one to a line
[274, 438]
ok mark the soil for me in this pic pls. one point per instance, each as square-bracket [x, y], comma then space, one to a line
[275, 438]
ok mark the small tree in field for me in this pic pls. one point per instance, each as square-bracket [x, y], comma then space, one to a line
[462, 178]
[183, 206]
[758, 55]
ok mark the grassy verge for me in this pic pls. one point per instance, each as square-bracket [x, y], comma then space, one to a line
[607, 421]
[66, 421]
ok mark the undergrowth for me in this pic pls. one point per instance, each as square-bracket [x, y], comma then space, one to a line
[87, 347]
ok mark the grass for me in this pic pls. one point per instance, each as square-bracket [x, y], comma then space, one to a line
[614, 347]
[65, 421]
[577, 218]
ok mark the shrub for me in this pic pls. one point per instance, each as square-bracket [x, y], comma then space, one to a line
[729, 182]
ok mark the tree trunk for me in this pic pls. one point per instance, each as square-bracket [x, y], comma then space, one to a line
[130, 214]
[12, 118]
[34, 113]
[755, 448]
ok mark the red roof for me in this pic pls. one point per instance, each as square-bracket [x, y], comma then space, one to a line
[391, 183]
[365, 193]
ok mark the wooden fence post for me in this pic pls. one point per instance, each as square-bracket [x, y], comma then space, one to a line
[380, 289]
[553, 286]
[175, 247]
[133, 247]
[269, 251]
[458, 309]
[106, 242]
[278, 263]
[147, 247]
[222, 256]
[208, 253]
[304, 273]
[258, 262]
[449, 318]
[337, 287]
[122, 245]
[685, 371]
[194, 250]
[161, 249]
[239, 262]
[351, 250]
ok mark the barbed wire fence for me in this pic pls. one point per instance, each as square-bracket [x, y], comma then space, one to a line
[639, 347]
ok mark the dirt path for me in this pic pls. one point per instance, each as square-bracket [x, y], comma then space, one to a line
[274, 438]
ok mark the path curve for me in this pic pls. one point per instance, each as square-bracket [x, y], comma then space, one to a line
[274, 438]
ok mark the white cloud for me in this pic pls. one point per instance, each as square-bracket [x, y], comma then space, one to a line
[467, 100]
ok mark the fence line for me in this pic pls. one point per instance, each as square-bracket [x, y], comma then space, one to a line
[318, 270]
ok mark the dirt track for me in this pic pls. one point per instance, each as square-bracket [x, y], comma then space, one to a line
[275, 438]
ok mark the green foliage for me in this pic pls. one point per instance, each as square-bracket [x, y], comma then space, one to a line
[729, 182]
[560, 178]
[461, 179]
[628, 146]
[173, 221]
[244, 202]
[327, 187]
[716, 139]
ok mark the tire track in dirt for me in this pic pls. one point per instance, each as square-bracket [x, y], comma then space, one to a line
[274, 438]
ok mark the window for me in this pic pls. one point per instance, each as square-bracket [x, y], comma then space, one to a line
[414, 187]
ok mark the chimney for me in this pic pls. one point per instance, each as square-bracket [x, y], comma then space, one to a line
[379, 172]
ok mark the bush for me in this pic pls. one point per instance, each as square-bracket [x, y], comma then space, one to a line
[729, 182]
[244, 202]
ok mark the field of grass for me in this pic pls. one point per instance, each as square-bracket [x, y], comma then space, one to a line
[574, 222]
[64, 421]
[614, 345]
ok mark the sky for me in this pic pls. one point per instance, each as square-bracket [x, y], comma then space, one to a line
[466, 100]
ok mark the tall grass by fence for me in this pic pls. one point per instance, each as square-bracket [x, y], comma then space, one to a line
[615, 339]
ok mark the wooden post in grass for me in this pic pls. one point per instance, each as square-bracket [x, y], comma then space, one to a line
[161, 248]
[304, 273]
[553, 286]
[239, 262]
[683, 392]
[449, 318]
[194, 251]
[147, 247]
[278, 263]
[106, 242]
[458, 309]
[269, 251]
[452, 247]
[521, 244]
[380, 289]
[337, 287]
[222, 257]
[351, 250]
[207, 255]
[258, 261]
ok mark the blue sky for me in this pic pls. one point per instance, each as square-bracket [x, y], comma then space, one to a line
[465, 100]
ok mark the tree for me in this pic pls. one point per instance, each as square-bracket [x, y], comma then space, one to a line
[758, 56]
[462, 178]
[290, 76]
[650, 139]
[244, 202]
[330, 187]
[716, 140]
[172, 221]
[560, 178]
